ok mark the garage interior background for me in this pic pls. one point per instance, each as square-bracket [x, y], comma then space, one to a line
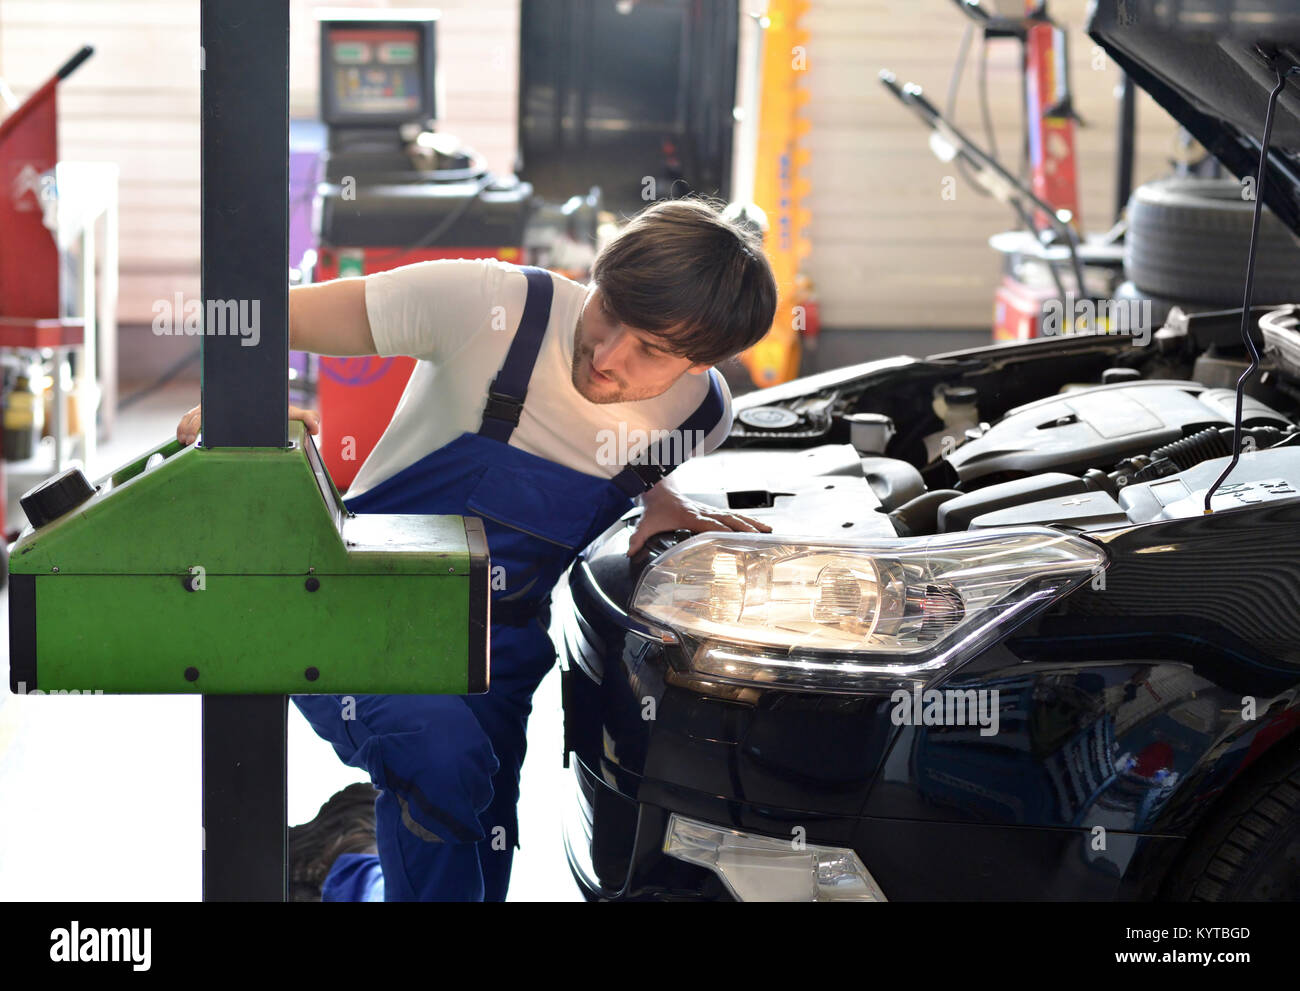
[896, 267]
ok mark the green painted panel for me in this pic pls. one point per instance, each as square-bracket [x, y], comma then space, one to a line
[251, 635]
[230, 510]
[392, 611]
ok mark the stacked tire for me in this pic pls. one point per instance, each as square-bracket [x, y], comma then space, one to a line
[1187, 243]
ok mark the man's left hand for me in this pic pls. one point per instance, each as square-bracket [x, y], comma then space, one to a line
[666, 509]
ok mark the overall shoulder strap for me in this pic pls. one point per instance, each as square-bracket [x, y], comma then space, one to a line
[672, 450]
[506, 394]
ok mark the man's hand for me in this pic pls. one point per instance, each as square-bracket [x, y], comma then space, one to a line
[188, 429]
[668, 509]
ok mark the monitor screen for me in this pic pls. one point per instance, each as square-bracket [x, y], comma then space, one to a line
[376, 73]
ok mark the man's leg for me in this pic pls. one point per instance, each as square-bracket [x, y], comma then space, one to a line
[425, 868]
[418, 865]
[433, 764]
[479, 870]
[521, 657]
[506, 727]
[355, 877]
[429, 763]
[497, 851]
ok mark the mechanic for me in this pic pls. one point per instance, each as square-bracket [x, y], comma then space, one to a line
[524, 378]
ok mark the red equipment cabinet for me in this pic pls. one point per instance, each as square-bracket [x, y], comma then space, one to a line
[30, 314]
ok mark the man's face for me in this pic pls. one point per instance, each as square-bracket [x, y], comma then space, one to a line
[614, 363]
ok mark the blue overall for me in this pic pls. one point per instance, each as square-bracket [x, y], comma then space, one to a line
[447, 766]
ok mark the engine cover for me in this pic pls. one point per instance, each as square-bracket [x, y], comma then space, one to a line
[1096, 427]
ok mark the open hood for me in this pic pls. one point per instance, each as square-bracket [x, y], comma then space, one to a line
[1210, 64]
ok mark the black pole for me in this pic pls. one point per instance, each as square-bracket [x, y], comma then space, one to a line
[245, 819]
[71, 66]
[245, 128]
[245, 393]
[1125, 142]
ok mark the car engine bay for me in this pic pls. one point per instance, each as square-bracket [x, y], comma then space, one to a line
[1082, 431]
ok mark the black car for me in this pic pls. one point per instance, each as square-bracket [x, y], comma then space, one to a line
[1014, 635]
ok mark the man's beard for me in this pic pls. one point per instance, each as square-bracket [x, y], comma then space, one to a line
[582, 360]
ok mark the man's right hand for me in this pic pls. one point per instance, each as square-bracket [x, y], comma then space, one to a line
[188, 429]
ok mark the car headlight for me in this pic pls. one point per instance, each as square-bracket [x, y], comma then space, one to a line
[825, 615]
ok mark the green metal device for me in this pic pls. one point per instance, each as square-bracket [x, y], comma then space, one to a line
[234, 570]
[239, 571]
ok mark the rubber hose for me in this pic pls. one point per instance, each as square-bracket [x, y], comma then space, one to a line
[1191, 451]
[921, 515]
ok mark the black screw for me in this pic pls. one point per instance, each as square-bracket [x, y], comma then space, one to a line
[311, 674]
[312, 584]
[191, 674]
[188, 582]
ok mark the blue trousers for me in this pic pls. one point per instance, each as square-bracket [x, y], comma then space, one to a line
[447, 767]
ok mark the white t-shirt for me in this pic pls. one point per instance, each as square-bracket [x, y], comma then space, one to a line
[458, 317]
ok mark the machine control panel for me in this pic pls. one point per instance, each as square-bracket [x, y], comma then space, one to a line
[376, 70]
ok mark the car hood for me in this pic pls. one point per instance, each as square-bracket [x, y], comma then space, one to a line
[1207, 62]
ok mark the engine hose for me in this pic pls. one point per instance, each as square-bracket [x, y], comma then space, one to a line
[1191, 451]
[920, 516]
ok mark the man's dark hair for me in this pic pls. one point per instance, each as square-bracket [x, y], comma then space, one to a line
[681, 271]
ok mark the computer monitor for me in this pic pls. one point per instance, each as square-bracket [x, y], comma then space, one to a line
[377, 69]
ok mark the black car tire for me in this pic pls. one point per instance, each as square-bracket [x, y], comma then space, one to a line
[1251, 850]
[1187, 240]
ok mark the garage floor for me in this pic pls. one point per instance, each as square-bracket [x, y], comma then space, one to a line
[102, 795]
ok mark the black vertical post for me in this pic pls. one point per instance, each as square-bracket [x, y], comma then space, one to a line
[245, 392]
[244, 813]
[1125, 142]
[246, 221]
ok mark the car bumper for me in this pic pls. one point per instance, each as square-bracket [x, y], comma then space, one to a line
[615, 849]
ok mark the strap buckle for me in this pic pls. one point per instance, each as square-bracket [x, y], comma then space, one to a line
[647, 474]
[501, 406]
[651, 475]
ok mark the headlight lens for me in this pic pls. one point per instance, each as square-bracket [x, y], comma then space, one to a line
[759, 868]
[847, 616]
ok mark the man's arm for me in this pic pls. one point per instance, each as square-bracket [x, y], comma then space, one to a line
[667, 509]
[326, 318]
[423, 310]
[330, 318]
